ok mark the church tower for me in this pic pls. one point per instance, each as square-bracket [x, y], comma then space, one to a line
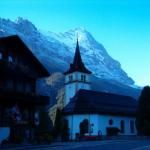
[77, 77]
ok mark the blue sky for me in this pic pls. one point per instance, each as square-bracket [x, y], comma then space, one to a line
[122, 26]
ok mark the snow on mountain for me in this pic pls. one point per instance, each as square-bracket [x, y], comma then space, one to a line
[94, 54]
[56, 50]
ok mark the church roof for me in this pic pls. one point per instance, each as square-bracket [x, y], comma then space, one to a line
[92, 102]
[77, 64]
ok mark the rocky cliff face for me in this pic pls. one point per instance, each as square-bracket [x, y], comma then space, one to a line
[56, 51]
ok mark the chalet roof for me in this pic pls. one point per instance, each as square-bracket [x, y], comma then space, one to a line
[92, 102]
[77, 64]
[21, 46]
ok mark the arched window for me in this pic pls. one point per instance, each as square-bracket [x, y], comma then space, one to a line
[110, 122]
[122, 126]
[132, 126]
[84, 127]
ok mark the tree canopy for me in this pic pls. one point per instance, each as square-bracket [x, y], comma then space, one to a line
[143, 112]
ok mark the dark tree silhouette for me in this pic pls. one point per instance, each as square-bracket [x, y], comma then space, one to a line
[143, 112]
[44, 120]
[84, 127]
[58, 123]
[64, 130]
[60, 126]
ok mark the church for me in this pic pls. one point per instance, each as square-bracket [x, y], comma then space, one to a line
[100, 113]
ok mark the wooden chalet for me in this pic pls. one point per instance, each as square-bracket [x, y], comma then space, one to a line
[19, 102]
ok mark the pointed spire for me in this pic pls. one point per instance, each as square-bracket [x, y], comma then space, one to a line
[77, 57]
[77, 64]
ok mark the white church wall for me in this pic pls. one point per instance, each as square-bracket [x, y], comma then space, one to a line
[98, 123]
[70, 92]
[93, 120]
[74, 124]
[75, 120]
[104, 122]
[83, 86]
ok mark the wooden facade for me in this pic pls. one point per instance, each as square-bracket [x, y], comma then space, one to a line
[19, 70]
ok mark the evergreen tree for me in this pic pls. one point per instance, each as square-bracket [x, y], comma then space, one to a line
[44, 125]
[57, 124]
[60, 126]
[143, 112]
[64, 130]
[43, 131]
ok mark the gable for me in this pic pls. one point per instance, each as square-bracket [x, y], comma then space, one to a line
[14, 48]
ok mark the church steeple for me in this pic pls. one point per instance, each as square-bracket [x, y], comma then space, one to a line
[77, 77]
[77, 64]
[77, 61]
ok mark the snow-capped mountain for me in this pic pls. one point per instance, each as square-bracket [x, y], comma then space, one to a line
[94, 54]
[56, 50]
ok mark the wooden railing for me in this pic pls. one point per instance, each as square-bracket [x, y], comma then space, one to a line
[16, 68]
[22, 97]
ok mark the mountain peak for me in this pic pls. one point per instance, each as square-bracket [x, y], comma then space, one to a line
[80, 29]
[81, 33]
[60, 47]
[25, 23]
[20, 20]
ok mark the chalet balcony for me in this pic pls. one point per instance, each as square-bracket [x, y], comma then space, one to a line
[25, 118]
[16, 69]
[10, 97]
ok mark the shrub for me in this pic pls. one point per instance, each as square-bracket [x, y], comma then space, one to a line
[112, 131]
[17, 139]
[44, 137]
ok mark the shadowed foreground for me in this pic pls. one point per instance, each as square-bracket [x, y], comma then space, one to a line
[95, 145]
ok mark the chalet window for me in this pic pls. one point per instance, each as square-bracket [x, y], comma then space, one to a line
[9, 84]
[20, 86]
[110, 122]
[28, 88]
[122, 126]
[10, 58]
[132, 126]
[1, 55]
[84, 78]
[81, 77]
